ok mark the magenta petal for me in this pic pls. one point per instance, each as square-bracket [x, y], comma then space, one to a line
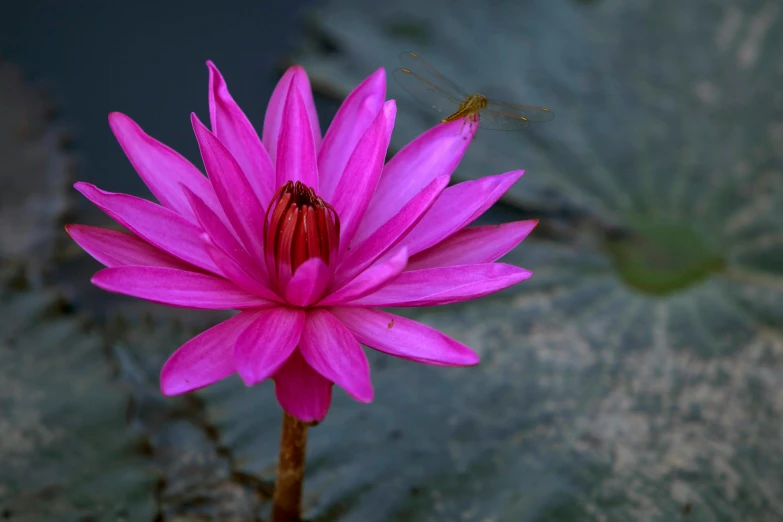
[349, 124]
[439, 286]
[267, 343]
[301, 391]
[176, 288]
[334, 352]
[236, 196]
[224, 239]
[275, 111]
[161, 168]
[435, 153]
[157, 225]
[237, 274]
[205, 359]
[232, 127]
[456, 208]
[404, 338]
[114, 248]
[474, 245]
[358, 181]
[308, 282]
[391, 232]
[296, 159]
[370, 280]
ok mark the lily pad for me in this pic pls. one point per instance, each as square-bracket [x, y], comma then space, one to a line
[637, 375]
[67, 452]
[593, 402]
[659, 105]
[35, 177]
[198, 478]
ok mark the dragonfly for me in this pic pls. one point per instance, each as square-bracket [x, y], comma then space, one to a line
[422, 81]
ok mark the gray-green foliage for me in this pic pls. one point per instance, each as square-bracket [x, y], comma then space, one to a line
[591, 403]
[67, 452]
[637, 375]
[198, 480]
[35, 174]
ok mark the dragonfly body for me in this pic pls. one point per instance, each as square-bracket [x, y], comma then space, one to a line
[469, 108]
[422, 81]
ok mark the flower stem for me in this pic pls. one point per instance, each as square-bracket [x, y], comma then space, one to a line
[287, 501]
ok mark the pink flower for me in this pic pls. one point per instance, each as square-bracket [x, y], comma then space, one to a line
[305, 237]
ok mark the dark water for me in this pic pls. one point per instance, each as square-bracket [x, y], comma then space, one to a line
[146, 59]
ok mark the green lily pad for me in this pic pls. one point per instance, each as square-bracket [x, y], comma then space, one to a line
[198, 479]
[35, 178]
[67, 452]
[593, 401]
[658, 105]
[637, 375]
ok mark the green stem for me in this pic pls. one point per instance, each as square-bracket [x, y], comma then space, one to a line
[287, 501]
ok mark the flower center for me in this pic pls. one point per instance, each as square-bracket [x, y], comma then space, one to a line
[299, 225]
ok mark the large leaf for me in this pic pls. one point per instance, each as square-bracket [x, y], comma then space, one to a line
[34, 174]
[67, 452]
[653, 99]
[592, 402]
[636, 376]
[199, 481]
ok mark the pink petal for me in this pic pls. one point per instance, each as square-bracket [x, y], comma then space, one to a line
[176, 288]
[301, 391]
[456, 208]
[237, 274]
[232, 127]
[435, 153]
[224, 239]
[474, 245]
[160, 226]
[205, 359]
[114, 248]
[296, 159]
[358, 181]
[439, 286]
[333, 352]
[390, 233]
[161, 168]
[267, 343]
[349, 124]
[236, 196]
[369, 281]
[275, 111]
[404, 338]
[308, 283]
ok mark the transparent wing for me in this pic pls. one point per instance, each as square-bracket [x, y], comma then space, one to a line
[491, 119]
[531, 113]
[498, 115]
[421, 67]
[426, 91]
[422, 81]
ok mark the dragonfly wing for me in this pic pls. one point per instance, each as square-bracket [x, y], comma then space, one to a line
[531, 113]
[491, 119]
[418, 65]
[426, 92]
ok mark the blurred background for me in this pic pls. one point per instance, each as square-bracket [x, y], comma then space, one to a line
[638, 376]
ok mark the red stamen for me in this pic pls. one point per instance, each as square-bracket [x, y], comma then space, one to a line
[311, 238]
[299, 226]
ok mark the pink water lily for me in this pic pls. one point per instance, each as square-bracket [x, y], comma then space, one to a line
[305, 236]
